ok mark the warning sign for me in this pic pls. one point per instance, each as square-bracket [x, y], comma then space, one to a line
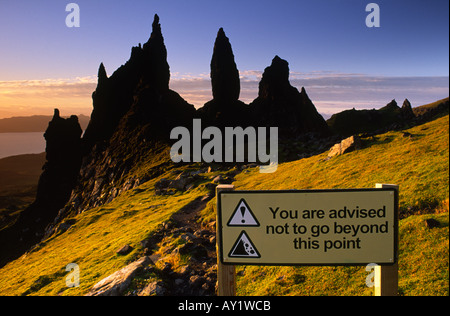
[244, 248]
[243, 216]
[314, 227]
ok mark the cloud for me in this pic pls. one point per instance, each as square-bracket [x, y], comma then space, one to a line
[331, 92]
[75, 87]
[40, 97]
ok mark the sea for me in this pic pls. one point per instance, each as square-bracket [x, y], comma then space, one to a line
[13, 144]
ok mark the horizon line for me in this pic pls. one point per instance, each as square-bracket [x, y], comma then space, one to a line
[330, 91]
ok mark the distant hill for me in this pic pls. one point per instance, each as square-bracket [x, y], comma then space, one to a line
[432, 109]
[351, 122]
[19, 176]
[35, 123]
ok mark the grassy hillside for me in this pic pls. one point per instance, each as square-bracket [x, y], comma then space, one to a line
[417, 163]
[92, 243]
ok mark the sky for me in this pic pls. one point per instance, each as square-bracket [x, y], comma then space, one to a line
[340, 61]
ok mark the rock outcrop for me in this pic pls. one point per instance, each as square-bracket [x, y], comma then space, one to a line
[134, 113]
[280, 104]
[63, 154]
[407, 111]
[59, 176]
[351, 122]
[118, 282]
[225, 81]
[225, 109]
[345, 146]
[143, 79]
[156, 69]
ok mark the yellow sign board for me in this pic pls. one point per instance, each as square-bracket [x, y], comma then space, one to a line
[320, 227]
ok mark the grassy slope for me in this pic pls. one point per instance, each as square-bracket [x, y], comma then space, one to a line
[423, 268]
[92, 243]
[419, 165]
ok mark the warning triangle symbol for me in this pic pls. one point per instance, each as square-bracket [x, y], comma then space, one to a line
[244, 248]
[243, 216]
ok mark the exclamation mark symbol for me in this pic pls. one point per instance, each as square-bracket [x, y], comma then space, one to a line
[243, 214]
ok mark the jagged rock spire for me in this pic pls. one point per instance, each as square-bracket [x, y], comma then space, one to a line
[102, 71]
[157, 71]
[282, 105]
[275, 79]
[224, 73]
[156, 27]
[406, 110]
[102, 76]
[56, 114]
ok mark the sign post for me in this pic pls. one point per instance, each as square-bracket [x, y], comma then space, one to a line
[386, 277]
[307, 227]
[226, 274]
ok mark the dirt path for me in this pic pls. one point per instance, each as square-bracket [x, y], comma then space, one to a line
[199, 276]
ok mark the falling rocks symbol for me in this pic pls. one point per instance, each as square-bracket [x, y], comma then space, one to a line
[244, 248]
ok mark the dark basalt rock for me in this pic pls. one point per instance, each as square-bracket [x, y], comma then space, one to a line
[114, 96]
[156, 68]
[391, 116]
[60, 172]
[225, 81]
[63, 154]
[225, 109]
[407, 111]
[281, 105]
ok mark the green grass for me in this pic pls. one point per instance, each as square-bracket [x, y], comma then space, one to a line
[418, 165]
[423, 268]
[92, 243]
